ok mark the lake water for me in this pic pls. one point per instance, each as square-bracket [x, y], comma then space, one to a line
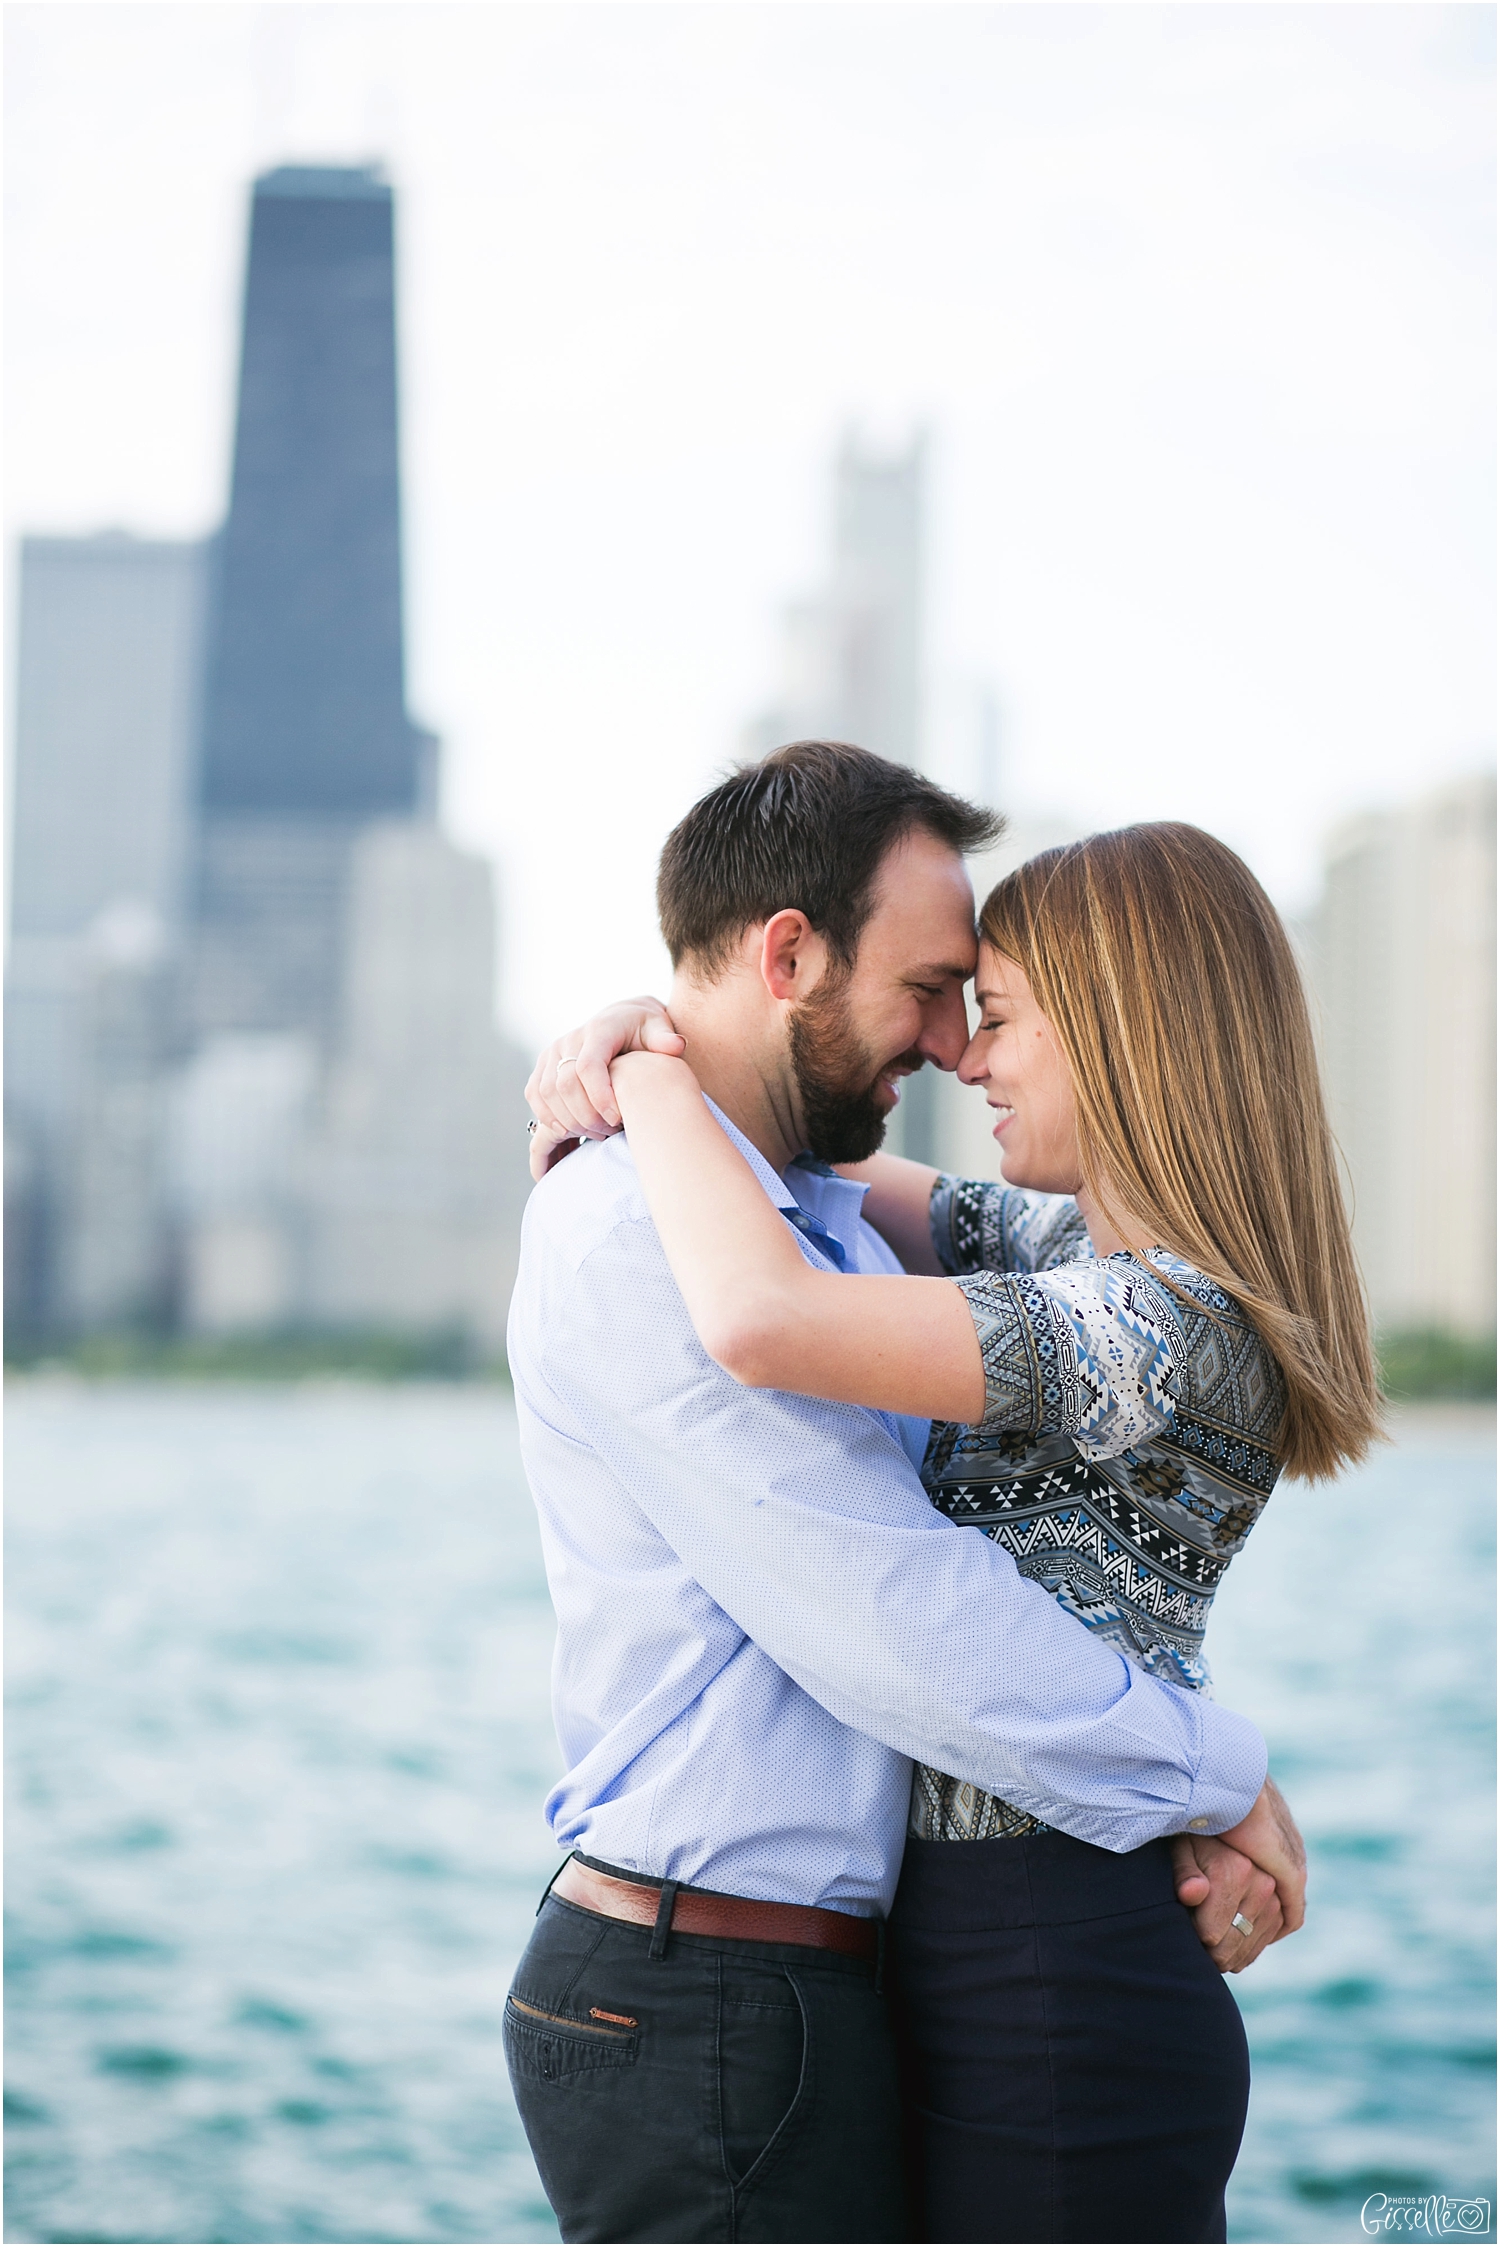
[279, 1738]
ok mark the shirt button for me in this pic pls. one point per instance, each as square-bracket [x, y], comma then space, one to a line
[1197, 1825]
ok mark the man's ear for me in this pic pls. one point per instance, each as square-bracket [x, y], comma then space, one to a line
[792, 955]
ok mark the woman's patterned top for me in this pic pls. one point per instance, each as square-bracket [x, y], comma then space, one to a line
[1126, 1449]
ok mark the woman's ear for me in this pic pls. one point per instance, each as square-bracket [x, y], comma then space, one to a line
[792, 955]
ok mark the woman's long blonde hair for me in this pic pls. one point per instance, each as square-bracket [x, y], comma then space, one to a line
[1162, 965]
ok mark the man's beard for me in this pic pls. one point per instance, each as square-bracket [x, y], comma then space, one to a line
[837, 1076]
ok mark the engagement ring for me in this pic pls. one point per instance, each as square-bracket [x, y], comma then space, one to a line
[531, 1129]
[1245, 1926]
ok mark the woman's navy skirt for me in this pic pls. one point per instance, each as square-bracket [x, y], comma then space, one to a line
[1076, 2067]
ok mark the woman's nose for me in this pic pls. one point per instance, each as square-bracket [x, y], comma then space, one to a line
[974, 1067]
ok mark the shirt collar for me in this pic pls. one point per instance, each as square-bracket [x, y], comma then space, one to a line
[772, 1181]
[838, 1202]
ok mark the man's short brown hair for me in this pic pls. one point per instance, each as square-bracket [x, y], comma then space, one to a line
[806, 827]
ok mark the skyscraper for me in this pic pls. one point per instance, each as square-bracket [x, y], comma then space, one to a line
[107, 689]
[417, 1178]
[306, 734]
[108, 670]
[306, 703]
[877, 591]
[337, 933]
[852, 653]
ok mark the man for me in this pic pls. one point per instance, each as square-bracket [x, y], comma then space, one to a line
[762, 1620]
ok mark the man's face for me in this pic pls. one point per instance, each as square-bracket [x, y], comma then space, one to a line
[862, 1029]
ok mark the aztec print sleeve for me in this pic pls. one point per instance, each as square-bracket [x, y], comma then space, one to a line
[978, 1226]
[1092, 1350]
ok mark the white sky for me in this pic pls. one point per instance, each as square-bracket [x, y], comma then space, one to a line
[1197, 301]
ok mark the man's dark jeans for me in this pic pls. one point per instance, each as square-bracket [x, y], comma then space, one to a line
[724, 2090]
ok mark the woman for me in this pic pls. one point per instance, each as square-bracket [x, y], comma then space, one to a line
[1116, 1378]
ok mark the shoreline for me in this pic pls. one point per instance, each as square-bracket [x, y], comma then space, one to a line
[1434, 1415]
[1407, 1418]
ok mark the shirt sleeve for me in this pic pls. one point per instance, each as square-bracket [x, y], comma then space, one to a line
[1094, 1351]
[979, 1226]
[805, 1522]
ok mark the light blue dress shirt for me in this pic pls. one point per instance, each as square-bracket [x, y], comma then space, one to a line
[762, 1619]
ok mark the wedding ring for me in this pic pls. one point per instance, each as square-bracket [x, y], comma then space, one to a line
[1245, 1926]
[562, 1057]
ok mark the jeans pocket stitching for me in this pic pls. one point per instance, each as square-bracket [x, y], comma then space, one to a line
[791, 2122]
[582, 1964]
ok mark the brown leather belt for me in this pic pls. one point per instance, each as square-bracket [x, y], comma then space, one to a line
[699, 1911]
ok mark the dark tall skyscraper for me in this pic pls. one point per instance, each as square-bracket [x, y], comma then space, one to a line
[306, 710]
[306, 736]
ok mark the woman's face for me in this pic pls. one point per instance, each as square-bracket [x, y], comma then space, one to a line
[1015, 1055]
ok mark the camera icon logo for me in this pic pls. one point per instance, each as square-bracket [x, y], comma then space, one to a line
[1469, 2218]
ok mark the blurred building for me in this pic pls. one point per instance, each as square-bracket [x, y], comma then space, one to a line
[240, 1110]
[110, 637]
[852, 653]
[109, 660]
[415, 1208]
[254, 1078]
[1403, 964]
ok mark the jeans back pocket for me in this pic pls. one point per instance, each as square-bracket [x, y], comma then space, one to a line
[548, 2047]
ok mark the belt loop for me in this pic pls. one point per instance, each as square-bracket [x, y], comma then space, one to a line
[880, 1958]
[664, 1911]
[552, 1883]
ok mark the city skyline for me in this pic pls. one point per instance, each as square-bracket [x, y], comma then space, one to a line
[1197, 307]
[255, 1081]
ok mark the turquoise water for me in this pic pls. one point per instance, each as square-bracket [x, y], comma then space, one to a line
[278, 1741]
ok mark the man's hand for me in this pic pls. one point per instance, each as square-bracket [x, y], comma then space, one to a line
[569, 1090]
[1257, 1870]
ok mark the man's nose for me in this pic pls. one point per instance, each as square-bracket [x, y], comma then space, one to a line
[945, 1032]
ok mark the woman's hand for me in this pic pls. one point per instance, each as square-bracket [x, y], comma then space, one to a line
[569, 1091]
